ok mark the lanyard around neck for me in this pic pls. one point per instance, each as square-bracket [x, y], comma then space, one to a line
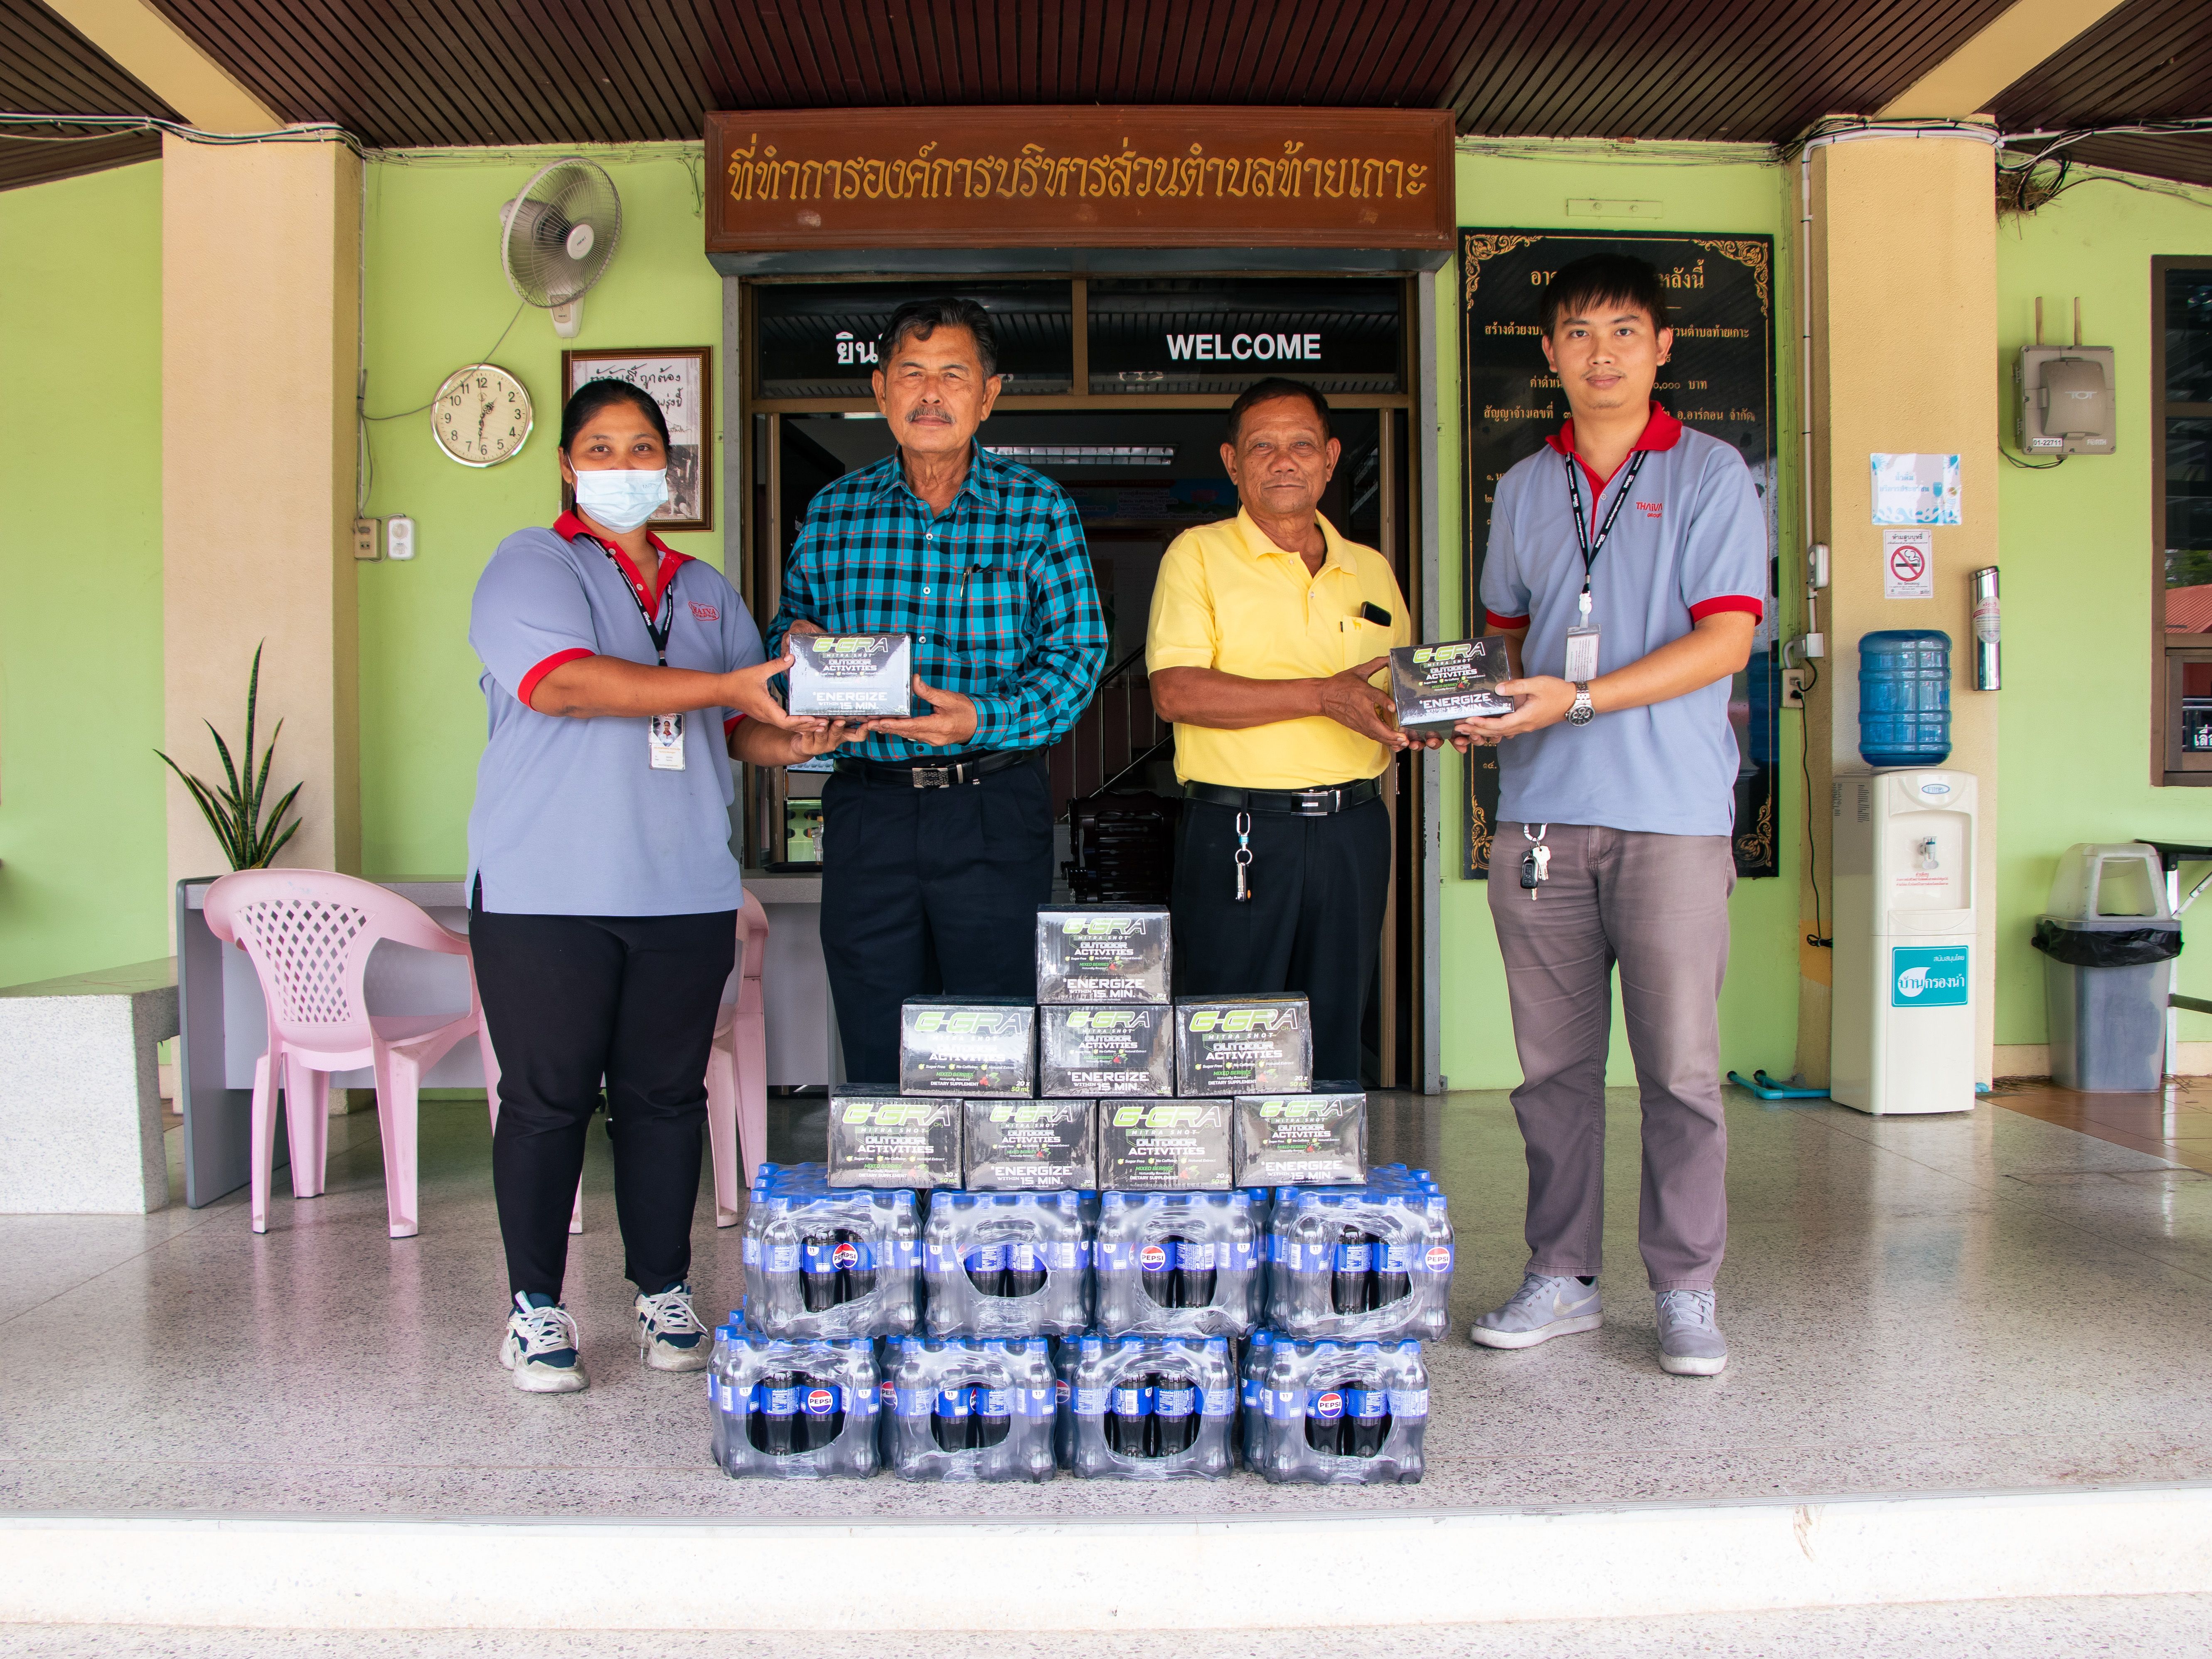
[1591, 548]
[658, 633]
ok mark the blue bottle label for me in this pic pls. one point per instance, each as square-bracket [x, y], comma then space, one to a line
[783, 1258]
[1091, 1402]
[1409, 1402]
[1326, 1405]
[1219, 1402]
[1176, 1402]
[1354, 1258]
[994, 1403]
[1367, 1404]
[780, 1402]
[820, 1402]
[1194, 1257]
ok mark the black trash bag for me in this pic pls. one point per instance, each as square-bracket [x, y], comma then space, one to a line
[2130, 947]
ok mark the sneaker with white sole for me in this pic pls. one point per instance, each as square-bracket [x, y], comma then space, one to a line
[670, 1337]
[541, 1346]
[1690, 1341]
[1543, 1308]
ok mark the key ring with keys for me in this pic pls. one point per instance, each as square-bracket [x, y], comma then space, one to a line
[1243, 857]
[1536, 862]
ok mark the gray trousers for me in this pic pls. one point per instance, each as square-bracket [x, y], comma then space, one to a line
[1656, 905]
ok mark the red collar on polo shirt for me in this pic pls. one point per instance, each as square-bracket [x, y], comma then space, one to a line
[1662, 431]
[570, 526]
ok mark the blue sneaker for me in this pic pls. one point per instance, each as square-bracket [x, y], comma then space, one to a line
[540, 1346]
[670, 1337]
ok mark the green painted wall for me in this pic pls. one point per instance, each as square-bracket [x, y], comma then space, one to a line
[2076, 743]
[435, 299]
[81, 838]
[1530, 189]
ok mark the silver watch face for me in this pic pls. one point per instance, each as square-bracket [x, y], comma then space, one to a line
[1581, 714]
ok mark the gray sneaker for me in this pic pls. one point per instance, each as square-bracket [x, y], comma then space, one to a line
[1689, 1343]
[1543, 1308]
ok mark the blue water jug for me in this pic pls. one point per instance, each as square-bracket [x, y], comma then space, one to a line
[1905, 697]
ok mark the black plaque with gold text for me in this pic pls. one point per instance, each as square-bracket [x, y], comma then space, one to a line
[1719, 380]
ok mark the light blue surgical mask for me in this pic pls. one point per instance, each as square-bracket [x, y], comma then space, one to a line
[620, 498]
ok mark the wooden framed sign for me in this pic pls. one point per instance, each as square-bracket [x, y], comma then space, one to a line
[681, 380]
[1720, 380]
[1078, 176]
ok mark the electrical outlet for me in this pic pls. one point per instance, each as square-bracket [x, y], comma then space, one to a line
[399, 537]
[1793, 688]
[364, 540]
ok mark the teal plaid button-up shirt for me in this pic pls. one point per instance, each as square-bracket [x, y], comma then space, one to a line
[997, 592]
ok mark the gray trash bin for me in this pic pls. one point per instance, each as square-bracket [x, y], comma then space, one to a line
[2106, 980]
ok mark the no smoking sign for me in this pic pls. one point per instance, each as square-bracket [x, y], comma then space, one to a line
[1908, 559]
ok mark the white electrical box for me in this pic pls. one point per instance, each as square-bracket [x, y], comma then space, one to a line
[399, 537]
[2063, 400]
[1907, 891]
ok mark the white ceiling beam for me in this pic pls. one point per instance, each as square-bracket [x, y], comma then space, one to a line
[167, 63]
[2022, 36]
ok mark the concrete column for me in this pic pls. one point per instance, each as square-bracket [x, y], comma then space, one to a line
[1903, 313]
[260, 317]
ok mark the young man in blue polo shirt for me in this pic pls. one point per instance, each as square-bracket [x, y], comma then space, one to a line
[1627, 559]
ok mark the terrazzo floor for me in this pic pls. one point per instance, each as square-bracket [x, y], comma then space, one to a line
[1985, 1301]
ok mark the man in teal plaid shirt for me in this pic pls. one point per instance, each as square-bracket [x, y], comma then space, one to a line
[937, 840]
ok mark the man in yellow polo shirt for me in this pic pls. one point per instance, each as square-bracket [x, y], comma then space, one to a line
[1267, 631]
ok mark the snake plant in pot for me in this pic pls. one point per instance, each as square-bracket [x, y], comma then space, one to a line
[234, 811]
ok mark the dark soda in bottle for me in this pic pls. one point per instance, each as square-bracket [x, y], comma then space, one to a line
[1350, 1288]
[986, 1269]
[1393, 1272]
[1025, 1273]
[1156, 1270]
[952, 1420]
[1366, 1421]
[854, 1258]
[1175, 1415]
[1194, 1263]
[994, 1416]
[817, 1272]
[820, 1419]
[1325, 1420]
[1129, 1410]
[779, 1410]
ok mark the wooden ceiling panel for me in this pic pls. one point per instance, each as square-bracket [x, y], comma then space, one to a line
[2146, 59]
[47, 67]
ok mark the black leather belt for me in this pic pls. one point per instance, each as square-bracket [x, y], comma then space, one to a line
[1301, 803]
[936, 774]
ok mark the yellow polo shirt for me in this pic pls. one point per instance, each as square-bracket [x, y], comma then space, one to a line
[1228, 598]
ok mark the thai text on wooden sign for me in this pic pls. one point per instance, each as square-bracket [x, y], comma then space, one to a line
[1085, 176]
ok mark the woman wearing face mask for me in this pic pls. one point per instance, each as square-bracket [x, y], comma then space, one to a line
[622, 679]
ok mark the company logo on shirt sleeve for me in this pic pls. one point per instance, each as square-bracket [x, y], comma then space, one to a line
[1651, 509]
[705, 612]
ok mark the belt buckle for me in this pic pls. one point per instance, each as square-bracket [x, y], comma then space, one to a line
[1317, 803]
[931, 777]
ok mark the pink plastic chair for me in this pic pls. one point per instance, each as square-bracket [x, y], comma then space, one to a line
[736, 1071]
[309, 933]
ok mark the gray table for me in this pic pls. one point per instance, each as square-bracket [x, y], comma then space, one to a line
[223, 1023]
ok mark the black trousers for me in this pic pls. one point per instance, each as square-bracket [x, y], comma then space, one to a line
[567, 1000]
[1314, 922]
[926, 890]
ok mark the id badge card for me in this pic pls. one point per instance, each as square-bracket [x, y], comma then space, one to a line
[1582, 652]
[664, 735]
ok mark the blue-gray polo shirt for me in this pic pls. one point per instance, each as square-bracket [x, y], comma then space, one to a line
[1690, 541]
[571, 819]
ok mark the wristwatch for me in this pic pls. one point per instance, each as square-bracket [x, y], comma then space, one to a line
[1581, 713]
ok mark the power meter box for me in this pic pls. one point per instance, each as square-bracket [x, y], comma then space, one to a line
[1104, 953]
[880, 1138]
[1031, 1145]
[2063, 400]
[968, 1046]
[1164, 1145]
[851, 676]
[1244, 1045]
[1436, 686]
[1316, 1139]
[1103, 1049]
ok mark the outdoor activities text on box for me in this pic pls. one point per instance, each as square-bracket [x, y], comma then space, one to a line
[1436, 686]
[851, 676]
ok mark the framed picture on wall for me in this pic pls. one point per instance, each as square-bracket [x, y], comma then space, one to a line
[681, 380]
[1720, 381]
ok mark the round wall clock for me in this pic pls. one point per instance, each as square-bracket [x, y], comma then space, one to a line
[482, 415]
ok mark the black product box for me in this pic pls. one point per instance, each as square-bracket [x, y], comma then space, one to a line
[1099, 1050]
[851, 676]
[1164, 1145]
[968, 1046]
[1031, 1145]
[1246, 1045]
[879, 1138]
[1104, 953]
[1436, 686]
[1316, 1139]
